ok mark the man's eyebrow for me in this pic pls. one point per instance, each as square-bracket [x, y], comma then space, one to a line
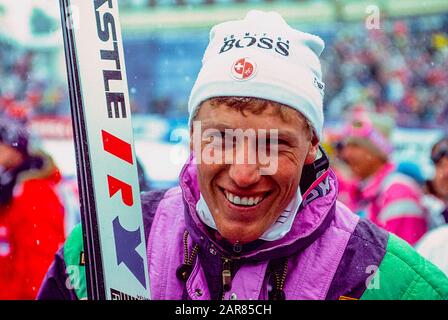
[285, 134]
[215, 125]
[222, 126]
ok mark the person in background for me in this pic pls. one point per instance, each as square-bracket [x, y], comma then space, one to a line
[434, 247]
[347, 183]
[31, 214]
[436, 189]
[385, 196]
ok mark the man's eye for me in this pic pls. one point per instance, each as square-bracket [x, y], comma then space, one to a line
[280, 142]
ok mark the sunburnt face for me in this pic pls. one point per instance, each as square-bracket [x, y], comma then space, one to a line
[362, 162]
[245, 202]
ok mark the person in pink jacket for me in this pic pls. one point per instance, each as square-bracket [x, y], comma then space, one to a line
[390, 199]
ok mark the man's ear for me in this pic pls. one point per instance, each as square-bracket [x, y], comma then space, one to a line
[313, 150]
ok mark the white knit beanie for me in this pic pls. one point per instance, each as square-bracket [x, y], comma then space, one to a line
[262, 56]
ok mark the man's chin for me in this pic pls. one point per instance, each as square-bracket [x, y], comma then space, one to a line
[241, 235]
[233, 240]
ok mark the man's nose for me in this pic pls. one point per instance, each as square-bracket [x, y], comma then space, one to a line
[244, 172]
[244, 175]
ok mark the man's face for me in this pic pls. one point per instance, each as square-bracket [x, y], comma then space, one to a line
[362, 162]
[441, 177]
[261, 198]
[9, 157]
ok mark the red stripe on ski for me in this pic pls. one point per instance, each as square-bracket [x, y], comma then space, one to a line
[116, 185]
[117, 147]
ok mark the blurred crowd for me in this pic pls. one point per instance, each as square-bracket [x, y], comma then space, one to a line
[400, 68]
[26, 86]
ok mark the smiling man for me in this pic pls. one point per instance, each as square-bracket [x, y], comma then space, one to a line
[245, 200]
[255, 215]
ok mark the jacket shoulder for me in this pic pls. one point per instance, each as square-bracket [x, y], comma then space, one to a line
[74, 262]
[364, 250]
[405, 275]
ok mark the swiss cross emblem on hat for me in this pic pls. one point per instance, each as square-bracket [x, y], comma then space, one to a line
[243, 69]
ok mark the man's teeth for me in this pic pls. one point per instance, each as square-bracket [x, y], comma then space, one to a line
[242, 201]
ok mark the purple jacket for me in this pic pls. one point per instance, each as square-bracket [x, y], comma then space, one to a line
[330, 253]
[320, 221]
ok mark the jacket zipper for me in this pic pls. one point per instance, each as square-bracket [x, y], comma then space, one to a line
[226, 276]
